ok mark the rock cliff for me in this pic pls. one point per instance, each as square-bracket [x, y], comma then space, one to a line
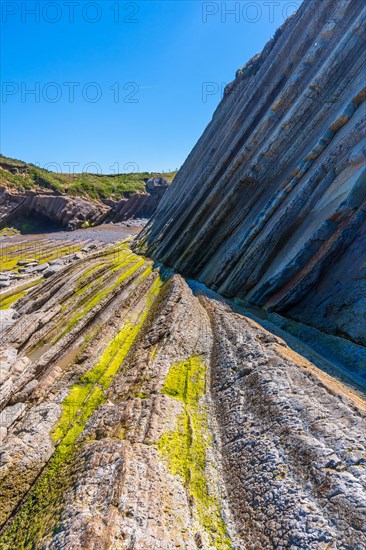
[139, 205]
[270, 204]
[63, 211]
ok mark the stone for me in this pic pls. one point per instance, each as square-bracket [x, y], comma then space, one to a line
[4, 283]
[3, 433]
[143, 410]
[7, 359]
[283, 451]
[38, 268]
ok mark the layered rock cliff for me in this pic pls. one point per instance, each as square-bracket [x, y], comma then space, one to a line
[63, 211]
[270, 204]
[139, 205]
[140, 410]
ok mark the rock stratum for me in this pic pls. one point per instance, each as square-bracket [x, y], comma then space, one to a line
[270, 204]
[142, 411]
[70, 213]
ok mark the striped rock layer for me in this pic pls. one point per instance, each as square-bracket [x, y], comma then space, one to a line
[270, 204]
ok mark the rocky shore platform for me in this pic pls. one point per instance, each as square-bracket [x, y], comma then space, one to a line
[140, 410]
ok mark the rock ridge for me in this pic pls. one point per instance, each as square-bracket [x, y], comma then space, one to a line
[270, 205]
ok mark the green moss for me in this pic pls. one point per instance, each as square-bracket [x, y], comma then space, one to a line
[11, 255]
[185, 449]
[141, 395]
[83, 283]
[8, 232]
[5, 303]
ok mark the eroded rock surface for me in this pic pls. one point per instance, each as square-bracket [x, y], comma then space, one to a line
[270, 204]
[141, 412]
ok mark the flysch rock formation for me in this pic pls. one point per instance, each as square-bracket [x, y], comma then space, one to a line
[141, 411]
[270, 204]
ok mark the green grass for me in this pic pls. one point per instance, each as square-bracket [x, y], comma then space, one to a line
[93, 186]
[185, 449]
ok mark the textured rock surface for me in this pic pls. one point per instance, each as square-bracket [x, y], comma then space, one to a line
[139, 411]
[270, 204]
[139, 205]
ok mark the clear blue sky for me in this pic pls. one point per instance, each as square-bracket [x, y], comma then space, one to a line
[161, 52]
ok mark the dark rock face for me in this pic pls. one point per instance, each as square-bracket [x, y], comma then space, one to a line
[64, 211]
[139, 205]
[270, 204]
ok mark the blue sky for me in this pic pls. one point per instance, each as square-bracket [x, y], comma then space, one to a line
[121, 84]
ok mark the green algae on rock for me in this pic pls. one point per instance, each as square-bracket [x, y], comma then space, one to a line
[185, 449]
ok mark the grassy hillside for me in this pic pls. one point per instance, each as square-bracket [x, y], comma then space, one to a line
[17, 175]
